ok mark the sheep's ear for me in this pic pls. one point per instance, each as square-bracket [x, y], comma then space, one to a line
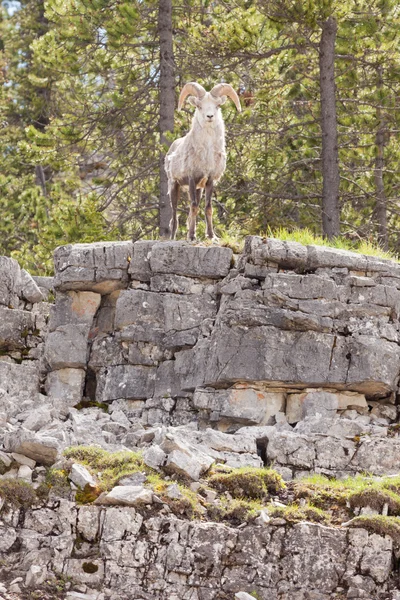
[223, 99]
[193, 101]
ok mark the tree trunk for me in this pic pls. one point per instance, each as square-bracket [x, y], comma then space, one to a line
[167, 104]
[330, 162]
[380, 207]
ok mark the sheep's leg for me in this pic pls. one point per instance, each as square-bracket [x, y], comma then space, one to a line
[194, 198]
[209, 210]
[174, 195]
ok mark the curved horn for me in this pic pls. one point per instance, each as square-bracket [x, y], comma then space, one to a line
[191, 89]
[224, 89]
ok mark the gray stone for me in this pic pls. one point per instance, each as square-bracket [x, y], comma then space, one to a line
[39, 447]
[185, 458]
[74, 308]
[15, 326]
[29, 289]
[140, 316]
[149, 317]
[66, 385]
[81, 476]
[324, 256]
[289, 255]
[66, 347]
[80, 596]
[10, 282]
[105, 351]
[180, 258]
[100, 267]
[25, 473]
[139, 267]
[38, 418]
[240, 405]
[128, 495]
[176, 284]
[8, 535]
[303, 287]
[174, 492]
[5, 459]
[154, 457]
[320, 403]
[75, 568]
[125, 381]
[19, 379]
[23, 460]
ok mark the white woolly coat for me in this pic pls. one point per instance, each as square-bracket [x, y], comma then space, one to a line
[199, 155]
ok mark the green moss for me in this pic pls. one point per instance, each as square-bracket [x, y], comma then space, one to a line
[187, 505]
[57, 479]
[88, 495]
[293, 513]
[91, 404]
[108, 467]
[376, 498]
[249, 482]
[89, 567]
[17, 493]
[236, 511]
[379, 524]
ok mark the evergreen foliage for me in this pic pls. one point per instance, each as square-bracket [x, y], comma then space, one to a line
[80, 110]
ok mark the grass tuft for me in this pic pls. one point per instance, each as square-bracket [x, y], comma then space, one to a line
[108, 467]
[236, 511]
[17, 493]
[308, 238]
[295, 514]
[248, 482]
[379, 524]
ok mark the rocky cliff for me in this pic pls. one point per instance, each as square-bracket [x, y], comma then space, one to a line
[203, 361]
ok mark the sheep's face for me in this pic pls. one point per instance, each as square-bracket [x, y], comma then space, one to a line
[208, 111]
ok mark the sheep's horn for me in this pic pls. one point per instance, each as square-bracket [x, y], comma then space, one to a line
[224, 89]
[191, 89]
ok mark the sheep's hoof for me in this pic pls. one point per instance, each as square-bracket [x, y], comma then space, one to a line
[214, 239]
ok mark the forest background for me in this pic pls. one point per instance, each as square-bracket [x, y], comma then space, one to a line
[88, 108]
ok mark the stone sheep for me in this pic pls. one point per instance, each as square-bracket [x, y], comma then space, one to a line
[196, 161]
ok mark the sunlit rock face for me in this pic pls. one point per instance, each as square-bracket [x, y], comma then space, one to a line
[285, 355]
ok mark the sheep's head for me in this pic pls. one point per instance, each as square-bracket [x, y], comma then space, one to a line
[208, 103]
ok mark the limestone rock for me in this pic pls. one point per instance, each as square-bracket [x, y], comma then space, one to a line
[240, 405]
[25, 473]
[74, 308]
[81, 476]
[37, 418]
[125, 381]
[66, 347]
[15, 326]
[9, 282]
[139, 267]
[8, 535]
[29, 289]
[35, 576]
[39, 447]
[185, 458]
[23, 460]
[66, 385]
[128, 495]
[181, 258]
[154, 457]
[100, 267]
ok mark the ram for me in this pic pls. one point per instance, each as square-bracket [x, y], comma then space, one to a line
[197, 161]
